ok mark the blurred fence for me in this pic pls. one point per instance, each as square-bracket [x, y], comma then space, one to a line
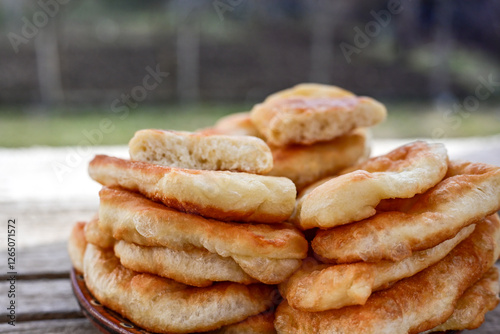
[228, 50]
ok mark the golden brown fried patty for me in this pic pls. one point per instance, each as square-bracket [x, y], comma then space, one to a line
[163, 305]
[413, 305]
[458, 201]
[306, 120]
[402, 173]
[215, 194]
[320, 287]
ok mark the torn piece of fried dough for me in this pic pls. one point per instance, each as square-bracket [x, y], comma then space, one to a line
[304, 164]
[196, 267]
[320, 287]
[216, 194]
[457, 201]
[412, 305]
[201, 151]
[77, 245]
[474, 304]
[162, 305]
[402, 173]
[306, 120]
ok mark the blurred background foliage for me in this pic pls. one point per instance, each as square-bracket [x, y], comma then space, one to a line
[67, 64]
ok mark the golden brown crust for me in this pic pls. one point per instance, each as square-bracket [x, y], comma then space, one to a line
[201, 151]
[474, 304]
[133, 218]
[257, 324]
[308, 89]
[196, 267]
[412, 305]
[216, 194]
[162, 305]
[456, 202]
[267, 270]
[305, 164]
[320, 287]
[306, 120]
[408, 170]
[77, 245]
[96, 236]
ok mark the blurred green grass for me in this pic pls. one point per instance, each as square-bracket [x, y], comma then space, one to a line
[21, 128]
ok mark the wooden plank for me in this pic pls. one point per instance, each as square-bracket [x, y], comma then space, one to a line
[64, 326]
[41, 240]
[45, 261]
[40, 299]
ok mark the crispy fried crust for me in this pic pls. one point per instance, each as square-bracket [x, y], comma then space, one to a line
[474, 304]
[133, 218]
[197, 267]
[257, 324]
[305, 164]
[96, 236]
[306, 120]
[77, 245]
[320, 287]
[310, 90]
[162, 305]
[458, 201]
[412, 305]
[216, 194]
[201, 151]
[408, 170]
[267, 270]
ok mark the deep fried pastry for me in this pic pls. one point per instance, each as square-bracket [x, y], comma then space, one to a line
[474, 304]
[94, 234]
[257, 324]
[197, 267]
[268, 253]
[201, 151]
[306, 120]
[310, 90]
[162, 305]
[412, 305]
[77, 245]
[467, 195]
[402, 173]
[216, 194]
[133, 218]
[304, 164]
[319, 287]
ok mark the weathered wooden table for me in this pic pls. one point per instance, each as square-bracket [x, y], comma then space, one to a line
[46, 190]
